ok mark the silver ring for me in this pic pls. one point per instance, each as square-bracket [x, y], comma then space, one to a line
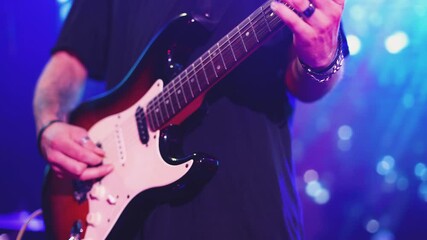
[308, 12]
[84, 140]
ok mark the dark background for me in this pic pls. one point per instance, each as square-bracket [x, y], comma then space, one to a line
[361, 152]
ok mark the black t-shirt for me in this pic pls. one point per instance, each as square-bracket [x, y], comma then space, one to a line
[243, 122]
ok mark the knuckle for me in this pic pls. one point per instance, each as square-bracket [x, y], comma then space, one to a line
[56, 143]
[80, 155]
[335, 14]
[77, 169]
[52, 156]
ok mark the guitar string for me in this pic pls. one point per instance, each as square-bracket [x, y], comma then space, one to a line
[187, 75]
[190, 74]
[258, 20]
[250, 25]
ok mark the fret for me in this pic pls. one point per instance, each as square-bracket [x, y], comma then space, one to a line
[221, 54]
[202, 78]
[180, 94]
[210, 61]
[253, 29]
[155, 111]
[229, 45]
[163, 109]
[239, 32]
[260, 25]
[175, 104]
[237, 44]
[213, 65]
[150, 115]
[186, 88]
[192, 81]
[248, 36]
[226, 53]
[208, 67]
[276, 21]
[217, 60]
[265, 18]
[272, 20]
[168, 103]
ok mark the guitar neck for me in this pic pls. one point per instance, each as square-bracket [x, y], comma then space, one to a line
[213, 65]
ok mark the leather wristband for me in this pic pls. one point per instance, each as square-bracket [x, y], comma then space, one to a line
[42, 130]
[326, 73]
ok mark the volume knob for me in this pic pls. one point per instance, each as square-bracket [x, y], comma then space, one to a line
[112, 200]
[94, 218]
[98, 192]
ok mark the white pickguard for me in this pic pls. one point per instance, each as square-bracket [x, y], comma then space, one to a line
[137, 167]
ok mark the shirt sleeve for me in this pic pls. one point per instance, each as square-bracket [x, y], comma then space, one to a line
[85, 35]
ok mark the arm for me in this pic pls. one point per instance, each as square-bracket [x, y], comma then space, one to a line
[304, 87]
[57, 92]
[315, 44]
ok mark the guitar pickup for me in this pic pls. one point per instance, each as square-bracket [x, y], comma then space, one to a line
[142, 125]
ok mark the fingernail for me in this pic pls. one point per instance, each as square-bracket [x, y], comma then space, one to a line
[110, 168]
[274, 5]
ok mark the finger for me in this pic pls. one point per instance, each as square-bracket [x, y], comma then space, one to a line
[62, 164]
[299, 5]
[87, 143]
[322, 5]
[96, 172]
[339, 2]
[329, 7]
[297, 25]
[58, 171]
[81, 135]
[309, 12]
[78, 152]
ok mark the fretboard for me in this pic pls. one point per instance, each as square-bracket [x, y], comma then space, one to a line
[213, 65]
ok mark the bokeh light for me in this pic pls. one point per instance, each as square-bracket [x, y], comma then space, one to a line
[372, 152]
[360, 152]
[397, 42]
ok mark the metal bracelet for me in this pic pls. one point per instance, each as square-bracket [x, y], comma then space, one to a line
[326, 74]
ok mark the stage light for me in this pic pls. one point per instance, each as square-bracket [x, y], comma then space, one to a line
[372, 226]
[310, 176]
[422, 191]
[383, 235]
[345, 132]
[354, 44]
[396, 42]
[313, 188]
[322, 196]
[421, 171]
[386, 165]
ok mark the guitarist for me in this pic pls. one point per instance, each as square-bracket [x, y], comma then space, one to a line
[244, 120]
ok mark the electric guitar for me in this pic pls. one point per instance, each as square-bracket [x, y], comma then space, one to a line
[131, 123]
